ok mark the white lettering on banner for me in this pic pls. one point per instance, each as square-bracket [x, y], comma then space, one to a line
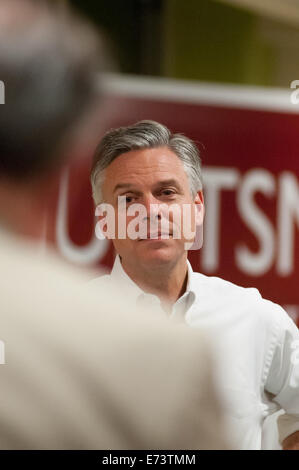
[215, 180]
[256, 180]
[288, 214]
[275, 238]
[86, 255]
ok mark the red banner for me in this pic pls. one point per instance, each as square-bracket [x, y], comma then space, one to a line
[249, 141]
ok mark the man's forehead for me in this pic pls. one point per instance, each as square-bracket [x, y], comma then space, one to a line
[145, 167]
[156, 183]
[149, 157]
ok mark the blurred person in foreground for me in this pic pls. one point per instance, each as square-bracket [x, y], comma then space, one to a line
[77, 374]
[145, 176]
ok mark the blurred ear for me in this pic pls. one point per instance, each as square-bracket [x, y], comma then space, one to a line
[200, 212]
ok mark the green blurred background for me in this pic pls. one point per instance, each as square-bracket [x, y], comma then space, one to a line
[253, 42]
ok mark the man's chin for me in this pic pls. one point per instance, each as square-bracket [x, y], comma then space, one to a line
[156, 253]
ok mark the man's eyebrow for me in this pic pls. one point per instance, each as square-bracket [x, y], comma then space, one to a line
[169, 182]
[122, 186]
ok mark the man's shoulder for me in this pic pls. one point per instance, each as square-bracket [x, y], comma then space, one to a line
[224, 287]
[247, 299]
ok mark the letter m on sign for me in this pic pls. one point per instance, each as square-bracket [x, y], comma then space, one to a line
[2, 93]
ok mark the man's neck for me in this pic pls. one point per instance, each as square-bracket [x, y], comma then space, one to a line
[168, 282]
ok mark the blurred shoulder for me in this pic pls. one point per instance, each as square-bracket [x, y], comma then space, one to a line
[100, 281]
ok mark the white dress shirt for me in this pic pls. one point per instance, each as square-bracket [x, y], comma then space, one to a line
[256, 339]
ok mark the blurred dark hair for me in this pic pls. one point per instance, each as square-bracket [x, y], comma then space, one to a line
[49, 63]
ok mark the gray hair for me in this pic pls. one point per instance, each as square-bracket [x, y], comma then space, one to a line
[49, 61]
[142, 135]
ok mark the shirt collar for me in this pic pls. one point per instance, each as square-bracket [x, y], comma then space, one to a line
[190, 288]
[119, 274]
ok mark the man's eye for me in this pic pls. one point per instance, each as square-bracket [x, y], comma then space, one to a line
[168, 192]
[129, 199]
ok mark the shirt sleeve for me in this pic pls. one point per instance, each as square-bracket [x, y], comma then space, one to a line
[283, 377]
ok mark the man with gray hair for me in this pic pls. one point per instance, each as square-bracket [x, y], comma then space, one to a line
[145, 168]
[76, 375]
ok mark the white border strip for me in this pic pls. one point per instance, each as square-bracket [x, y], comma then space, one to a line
[232, 96]
[2, 93]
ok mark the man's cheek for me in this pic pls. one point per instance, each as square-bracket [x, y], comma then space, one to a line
[183, 222]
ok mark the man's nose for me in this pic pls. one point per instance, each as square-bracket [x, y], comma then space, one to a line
[152, 207]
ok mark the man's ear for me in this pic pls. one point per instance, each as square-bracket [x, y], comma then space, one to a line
[200, 208]
[199, 216]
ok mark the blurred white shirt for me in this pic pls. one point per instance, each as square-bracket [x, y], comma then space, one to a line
[85, 370]
[255, 340]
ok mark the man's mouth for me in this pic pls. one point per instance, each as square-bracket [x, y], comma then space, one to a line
[157, 236]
